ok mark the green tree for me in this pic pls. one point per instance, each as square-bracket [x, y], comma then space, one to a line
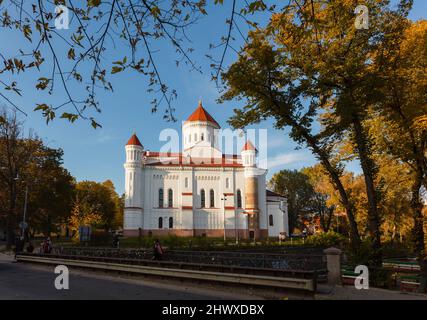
[118, 204]
[298, 191]
[16, 153]
[29, 167]
[95, 202]
[50, 191]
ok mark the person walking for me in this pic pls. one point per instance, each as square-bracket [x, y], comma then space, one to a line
[49, 245]
[30, 248]
[19, 245]
[157, 250]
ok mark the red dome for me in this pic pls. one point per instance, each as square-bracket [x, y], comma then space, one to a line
[134, 141]
[200, 114]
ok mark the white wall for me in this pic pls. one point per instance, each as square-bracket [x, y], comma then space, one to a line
[280, 219]
[198, 178]
[195, 129]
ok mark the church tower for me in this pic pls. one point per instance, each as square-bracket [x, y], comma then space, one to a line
[133, 184]
[200, 127]
[248, 154]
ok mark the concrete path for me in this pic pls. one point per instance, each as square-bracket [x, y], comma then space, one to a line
[351, 293]
[28, 281]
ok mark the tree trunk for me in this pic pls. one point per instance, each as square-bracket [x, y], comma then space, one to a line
[333, 172]
[418, 231]
[369, 172]
[335, 179]
[11, 218]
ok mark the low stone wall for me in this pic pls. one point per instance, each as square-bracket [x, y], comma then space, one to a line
[210, 233]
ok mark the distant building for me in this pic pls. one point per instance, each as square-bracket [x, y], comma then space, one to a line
[200, 191]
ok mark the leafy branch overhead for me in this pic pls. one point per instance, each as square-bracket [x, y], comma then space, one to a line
[76, 63]
[86, 55]
[82, 53]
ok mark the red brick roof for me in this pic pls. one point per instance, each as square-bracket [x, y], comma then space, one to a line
[134, 141]
[200, 114]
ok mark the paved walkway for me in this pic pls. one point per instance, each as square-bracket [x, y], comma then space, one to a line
[351, 293]
[28, 281]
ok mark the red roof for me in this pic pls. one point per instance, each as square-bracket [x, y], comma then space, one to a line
[248, 146]
[200, 114]
[134, 141]
[154, 158]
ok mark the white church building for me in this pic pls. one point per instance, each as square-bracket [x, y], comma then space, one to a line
[200, 191]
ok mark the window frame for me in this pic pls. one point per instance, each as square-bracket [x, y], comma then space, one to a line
[170, 198]
[239, 199]
[212, 198]
[161, 197]
[202, 198]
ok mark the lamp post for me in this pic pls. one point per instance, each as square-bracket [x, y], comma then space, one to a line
[23, 226]
[224, 199]
[235, 226]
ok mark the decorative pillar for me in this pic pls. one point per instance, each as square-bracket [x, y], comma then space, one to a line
[333, 262]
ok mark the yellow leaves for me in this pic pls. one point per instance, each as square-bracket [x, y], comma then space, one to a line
[71, 54]
[155, 11]
[420, 123]
[93, 3]
[42, 84]
[27, 31]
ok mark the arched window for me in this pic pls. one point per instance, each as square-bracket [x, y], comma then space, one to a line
[270, 220]
[170, 198]
[170, 223]
[202, 137]
[160, 223]
[227, 183]
[239, 198]
[202, 198]
[160, 198]
[212, 198]
[195, 137]
[186, 182]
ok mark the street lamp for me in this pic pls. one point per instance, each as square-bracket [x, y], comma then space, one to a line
[24, 224]
[224, 199]
[235, 226]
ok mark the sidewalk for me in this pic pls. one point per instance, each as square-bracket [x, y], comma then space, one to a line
[326, 292]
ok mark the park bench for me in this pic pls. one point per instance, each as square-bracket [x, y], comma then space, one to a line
[348, 276]
[407, 264]
[409, 283]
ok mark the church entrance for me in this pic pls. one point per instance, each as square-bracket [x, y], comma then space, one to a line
[251, 234]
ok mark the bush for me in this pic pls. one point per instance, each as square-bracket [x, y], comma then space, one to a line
[381, 278]
[327, 239]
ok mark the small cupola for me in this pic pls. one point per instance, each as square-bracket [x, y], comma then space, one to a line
[249, 153]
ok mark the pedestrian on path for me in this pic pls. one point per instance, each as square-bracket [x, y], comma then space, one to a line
[157, 250]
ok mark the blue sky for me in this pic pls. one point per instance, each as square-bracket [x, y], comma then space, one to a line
[99, 154]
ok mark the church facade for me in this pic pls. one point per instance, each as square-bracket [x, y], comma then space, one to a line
[200, 191]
